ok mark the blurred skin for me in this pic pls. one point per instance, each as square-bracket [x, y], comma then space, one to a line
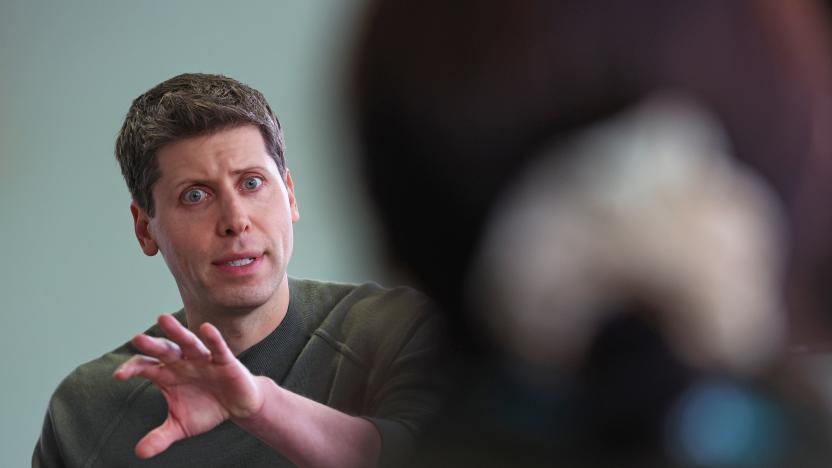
[471, 105]
[537, 70]
[223, 223]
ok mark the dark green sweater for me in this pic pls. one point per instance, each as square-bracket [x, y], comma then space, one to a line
[362, 350]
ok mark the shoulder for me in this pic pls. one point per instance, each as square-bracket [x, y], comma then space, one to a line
[89, 402]
[367, 318]
[369, 305]
[93, 381]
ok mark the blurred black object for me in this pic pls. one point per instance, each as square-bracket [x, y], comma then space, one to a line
[455, 99]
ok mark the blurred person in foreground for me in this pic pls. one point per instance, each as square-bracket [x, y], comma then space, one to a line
[258, 369]
[627, 221]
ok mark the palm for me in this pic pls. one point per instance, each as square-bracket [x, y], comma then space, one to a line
[203, 386]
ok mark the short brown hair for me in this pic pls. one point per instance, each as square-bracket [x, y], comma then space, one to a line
[188, 105]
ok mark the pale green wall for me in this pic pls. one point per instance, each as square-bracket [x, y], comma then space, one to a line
[74, 283]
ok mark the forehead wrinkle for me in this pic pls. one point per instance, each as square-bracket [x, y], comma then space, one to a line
[200, 158]
[209, 181]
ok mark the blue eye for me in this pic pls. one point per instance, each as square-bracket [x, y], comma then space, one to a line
[193, 196]
[251, 183]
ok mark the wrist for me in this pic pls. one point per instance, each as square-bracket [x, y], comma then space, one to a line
[268, 391]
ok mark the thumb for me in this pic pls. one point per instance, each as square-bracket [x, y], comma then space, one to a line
[158, 440]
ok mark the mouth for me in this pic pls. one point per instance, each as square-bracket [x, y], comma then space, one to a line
[241, 262]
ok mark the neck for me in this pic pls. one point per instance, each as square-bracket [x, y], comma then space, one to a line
[241, 330]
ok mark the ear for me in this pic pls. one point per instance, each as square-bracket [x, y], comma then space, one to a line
[141, 222]
[293, 203]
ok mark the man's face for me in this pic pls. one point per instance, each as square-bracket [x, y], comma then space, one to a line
[223, 220]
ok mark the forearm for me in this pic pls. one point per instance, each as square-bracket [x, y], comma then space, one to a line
[311, 434]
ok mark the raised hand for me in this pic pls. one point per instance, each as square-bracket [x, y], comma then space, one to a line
[203, 383]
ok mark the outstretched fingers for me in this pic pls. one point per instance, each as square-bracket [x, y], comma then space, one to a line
[138, 365]
[158, 440]
[191, 346]
[160, 348]
[220, 353]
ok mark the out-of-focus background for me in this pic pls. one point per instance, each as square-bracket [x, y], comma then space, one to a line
[545, 125]
[75, 283]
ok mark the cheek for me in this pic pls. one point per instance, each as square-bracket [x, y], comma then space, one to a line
[281, 228]
[273, 215]
[185, 259]
[176, 244]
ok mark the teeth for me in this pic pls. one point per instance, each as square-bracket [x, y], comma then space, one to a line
[240, 262]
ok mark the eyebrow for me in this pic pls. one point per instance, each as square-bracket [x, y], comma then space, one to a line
[249, 169]
[198, 181]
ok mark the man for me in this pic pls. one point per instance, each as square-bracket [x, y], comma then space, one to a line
[258, 369]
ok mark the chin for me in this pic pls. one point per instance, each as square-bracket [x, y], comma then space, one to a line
[244, 299]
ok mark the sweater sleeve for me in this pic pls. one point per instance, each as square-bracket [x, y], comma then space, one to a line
[412, 391]
[47, 454]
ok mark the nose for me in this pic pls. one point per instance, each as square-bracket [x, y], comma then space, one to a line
[234, 217]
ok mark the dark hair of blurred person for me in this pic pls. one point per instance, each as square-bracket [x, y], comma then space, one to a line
[453, 98]
[456, 99]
